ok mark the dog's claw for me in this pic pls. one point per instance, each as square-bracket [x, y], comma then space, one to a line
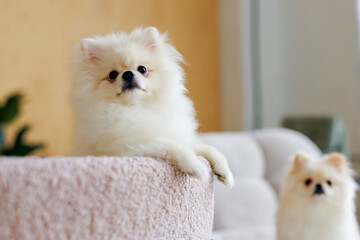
[227, 179]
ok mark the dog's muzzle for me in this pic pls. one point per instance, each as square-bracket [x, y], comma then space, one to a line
[129, 81]
[319, 190]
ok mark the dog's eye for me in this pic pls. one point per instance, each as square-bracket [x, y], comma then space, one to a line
[142, 69]
[113, 75]
[329, 182]
[308, 181]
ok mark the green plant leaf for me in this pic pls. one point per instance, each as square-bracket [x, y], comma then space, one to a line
[10, 110]
[2, 138]
[20, 135]
[20, 148]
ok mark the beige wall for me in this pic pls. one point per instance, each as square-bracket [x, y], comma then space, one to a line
[234, 98]
[36, 38]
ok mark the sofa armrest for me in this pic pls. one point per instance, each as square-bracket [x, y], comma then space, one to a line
[102, 198]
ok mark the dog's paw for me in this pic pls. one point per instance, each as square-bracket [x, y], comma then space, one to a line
[226, 177]
[200, 171]
[218, 163]
[194, 167]
[223, 173]
[183, 158]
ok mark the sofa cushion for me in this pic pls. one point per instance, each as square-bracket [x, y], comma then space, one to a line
[242, 150]
[251, 202]
[256, 232]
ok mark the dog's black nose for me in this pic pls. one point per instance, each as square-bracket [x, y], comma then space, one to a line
[319, 189]
[128, 76]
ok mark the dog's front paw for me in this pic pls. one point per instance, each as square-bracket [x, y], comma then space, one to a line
[192, 165]
[200, 171]
[183, 158]
[226, 177]
[218, 163]
[222, 171]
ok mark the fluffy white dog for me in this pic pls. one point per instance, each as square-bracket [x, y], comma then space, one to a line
[129, 100]
[318, 200]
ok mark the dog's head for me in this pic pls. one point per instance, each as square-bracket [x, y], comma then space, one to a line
[313, 180]
[130, 69]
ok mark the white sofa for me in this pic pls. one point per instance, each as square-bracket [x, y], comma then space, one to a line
[257, 159]
[145, 198]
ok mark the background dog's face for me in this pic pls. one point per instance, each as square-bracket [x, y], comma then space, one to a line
[133, 69]
[327, 179]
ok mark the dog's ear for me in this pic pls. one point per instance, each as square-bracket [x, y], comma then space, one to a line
[152, 38]
[91, 49]
[338, 161]
[299, 161]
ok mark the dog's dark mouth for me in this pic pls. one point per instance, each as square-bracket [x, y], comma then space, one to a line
[130, 86]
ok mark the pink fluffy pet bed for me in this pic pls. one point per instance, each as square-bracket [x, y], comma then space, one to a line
[102, 198]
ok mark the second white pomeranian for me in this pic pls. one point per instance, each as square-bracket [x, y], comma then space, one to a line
[318, 200]
[129, 100]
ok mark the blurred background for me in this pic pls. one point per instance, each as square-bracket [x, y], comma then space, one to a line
[36, 44]
[251, 64]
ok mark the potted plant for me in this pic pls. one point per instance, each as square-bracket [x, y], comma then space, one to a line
[8, 113]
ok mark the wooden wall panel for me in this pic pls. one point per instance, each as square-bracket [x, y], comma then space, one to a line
[36, 39]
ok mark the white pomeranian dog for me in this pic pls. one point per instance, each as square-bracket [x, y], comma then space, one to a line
[130, 100]
[318, 200]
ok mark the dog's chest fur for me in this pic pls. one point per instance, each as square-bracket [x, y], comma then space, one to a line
[320, 222]
[111, 129]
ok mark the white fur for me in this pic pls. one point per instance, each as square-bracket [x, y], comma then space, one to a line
[156, 120]
[305, 216]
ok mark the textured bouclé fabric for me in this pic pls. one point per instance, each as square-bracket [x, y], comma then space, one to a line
[102, 198]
